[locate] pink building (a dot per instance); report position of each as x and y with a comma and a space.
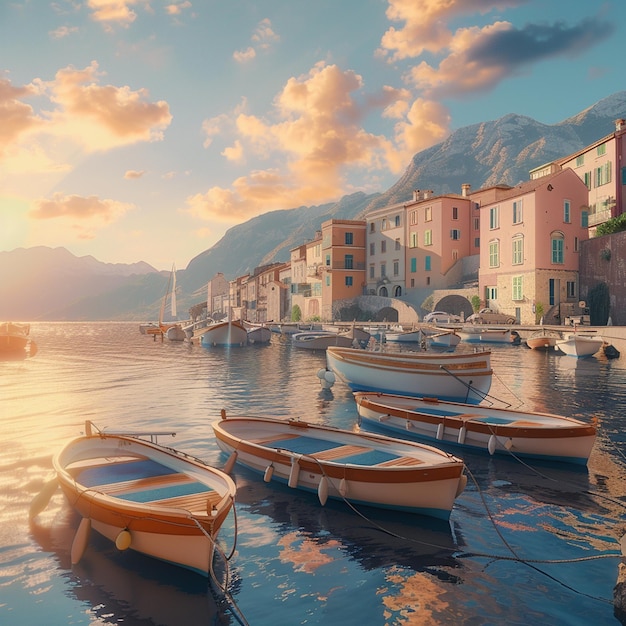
441, 230
529, 246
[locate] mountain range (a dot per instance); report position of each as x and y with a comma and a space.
52, 284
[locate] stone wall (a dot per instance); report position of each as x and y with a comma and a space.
603, 260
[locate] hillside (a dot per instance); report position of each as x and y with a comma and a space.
41, 283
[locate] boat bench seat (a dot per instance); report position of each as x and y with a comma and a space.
401, 460
194, 503
340, 452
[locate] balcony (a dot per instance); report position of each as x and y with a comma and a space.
599, 217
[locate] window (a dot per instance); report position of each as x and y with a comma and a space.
349, 239
383, 270
397, 292
372, 227
567, 218
455, 234
580, 160
517, 212
494, 253
328, 260
576, 244
348, 262
428, 238
372, 249
413, 264
398, 244
427, 262
477, 242
557, 240
587, 179
571, 290
413, 217
518, 251
383, 225
412, 282
428, 214
494, 217
372, 271
601, 149
348, 281
492, 293
413, 240
396, 268
517, 288
455, 213
397, 221
602, 174
584, 219
476, 223
328, 280
383, 246
455, 255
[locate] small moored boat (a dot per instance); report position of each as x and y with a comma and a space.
143, 496
543, 339
579, 345
320, 339
522, 433
464, 377
15, 338
228, 333
360, 468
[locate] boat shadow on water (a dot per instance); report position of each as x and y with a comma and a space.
126, 586
373, 537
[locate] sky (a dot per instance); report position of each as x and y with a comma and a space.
142, 130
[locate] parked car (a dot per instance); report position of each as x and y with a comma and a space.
489, 316
441, 317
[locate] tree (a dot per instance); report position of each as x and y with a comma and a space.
475, 302
296, 313
614, 225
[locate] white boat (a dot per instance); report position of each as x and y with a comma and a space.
175, 333
443, 339
359, 468
228, 333
142, 496
579, 345
258, 333
464, 377
489, 335
521, 433
543, 339
320, 339
161, 328
398, 335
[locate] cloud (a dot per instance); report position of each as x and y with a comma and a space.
16, 118
113, 12
480, 58
62, 32
133, 174
101, 117
426, 24
84, 209
176, 8
315, 132
262, 39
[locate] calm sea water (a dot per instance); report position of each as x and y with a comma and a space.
526, 544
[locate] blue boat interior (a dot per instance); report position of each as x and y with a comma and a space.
489, 419
312, 446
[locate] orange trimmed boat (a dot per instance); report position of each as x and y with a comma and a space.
522, 433
143, 496
360, 468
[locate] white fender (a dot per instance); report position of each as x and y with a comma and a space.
461, 486
440, 431
343, 488
491, 445
322, 490
462, 433
79, 545
294, 472
269, 472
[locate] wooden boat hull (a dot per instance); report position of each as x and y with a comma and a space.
409, 336
444, 339
140, 495
580, 345
231, 333
259, 334
526, 434
371, 470
14, 337
463, 377
487, 335
320, 340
